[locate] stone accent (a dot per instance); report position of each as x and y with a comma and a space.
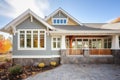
34, 61
85, 58
116, 54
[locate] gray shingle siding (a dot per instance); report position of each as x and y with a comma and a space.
32, 25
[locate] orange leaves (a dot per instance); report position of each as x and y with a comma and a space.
5, 45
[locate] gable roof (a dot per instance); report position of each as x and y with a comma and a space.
64, 12
23, 15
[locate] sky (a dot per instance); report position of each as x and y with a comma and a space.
86, 11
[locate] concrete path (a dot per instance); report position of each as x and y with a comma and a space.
81, 72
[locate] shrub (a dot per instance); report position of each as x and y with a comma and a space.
17, 69
41, 65
53, 63
8, 60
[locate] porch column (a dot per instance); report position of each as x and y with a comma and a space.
63, 45
115, 42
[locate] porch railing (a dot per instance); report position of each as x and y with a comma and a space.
76, 51
100, 52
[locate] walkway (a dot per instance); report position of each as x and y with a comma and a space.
81, 72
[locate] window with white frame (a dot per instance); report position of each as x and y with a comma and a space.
59, 21
31, 39
56, 42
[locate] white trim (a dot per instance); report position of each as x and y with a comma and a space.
22, 17
64, 12
31, 18
83, 32
56, 42
36, 56
32, 48
63, 42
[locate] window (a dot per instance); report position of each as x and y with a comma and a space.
59, 21
28, 40
107, 42
35, 39
22, 39
94, 43
31, 39
56, 42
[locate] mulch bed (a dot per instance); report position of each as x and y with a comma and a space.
27, 71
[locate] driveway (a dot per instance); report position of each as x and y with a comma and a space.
81, 72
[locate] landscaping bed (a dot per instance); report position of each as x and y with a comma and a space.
18, 72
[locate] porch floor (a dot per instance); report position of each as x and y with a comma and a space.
81, 72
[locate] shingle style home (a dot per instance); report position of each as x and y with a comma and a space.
61, 37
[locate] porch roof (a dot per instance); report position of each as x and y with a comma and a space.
78, 28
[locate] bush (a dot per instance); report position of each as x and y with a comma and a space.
17, 69
8, 60
41, 65
53, 63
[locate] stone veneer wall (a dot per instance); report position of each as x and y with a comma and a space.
84, 59
116, 54
34, 61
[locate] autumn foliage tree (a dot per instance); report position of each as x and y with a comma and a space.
5, 45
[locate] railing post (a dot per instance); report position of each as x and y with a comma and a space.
115, 42
63, 45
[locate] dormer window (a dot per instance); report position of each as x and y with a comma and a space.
59, 21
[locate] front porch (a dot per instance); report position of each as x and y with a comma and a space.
89, 49
92, 45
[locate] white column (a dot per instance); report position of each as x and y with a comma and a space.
115, 42
63, 45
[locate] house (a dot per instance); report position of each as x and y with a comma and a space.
61, 37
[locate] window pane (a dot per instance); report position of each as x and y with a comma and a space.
93, 43
79, 43
58, 45
42, 41
54, 44
35, 32
64, 21
28, 40
35, 40
54, 39
28, 31
58, 21
54, 21
42, 32
105, 43
109, 44
22, 31
99, 43
61, 21
22, 41
59, 39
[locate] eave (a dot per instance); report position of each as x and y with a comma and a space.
84, 32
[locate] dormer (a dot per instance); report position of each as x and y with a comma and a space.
61, 17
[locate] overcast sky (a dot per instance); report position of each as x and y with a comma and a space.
86, 11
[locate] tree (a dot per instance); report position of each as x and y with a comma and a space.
5, 45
